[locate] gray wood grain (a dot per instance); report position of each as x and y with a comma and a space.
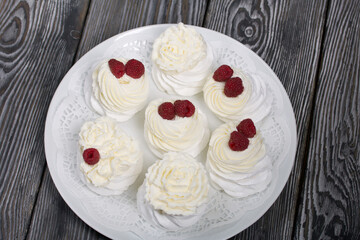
37, 47
104, 19
287, 35
330, 205
112, 17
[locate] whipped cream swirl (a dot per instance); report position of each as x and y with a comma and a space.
120, 157
174, 192
117, 98
254, 102
238, 173
181, 61
188, 134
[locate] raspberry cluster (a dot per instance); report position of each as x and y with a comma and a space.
181, 108
239, 140
132, 68
233, 86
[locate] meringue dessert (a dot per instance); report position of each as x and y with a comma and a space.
176, 126
119, 89
236, 160
174, 192
231, 95
110, 160
181, 60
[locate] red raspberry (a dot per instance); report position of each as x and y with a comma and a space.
166, 110
184, 108
91, 156
116, 67
247, 128
223, 73
238, 142
233, 87
134, 68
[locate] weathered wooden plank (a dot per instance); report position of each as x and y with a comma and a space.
113, 17
37, 47
287, 35
330, 200
53, 219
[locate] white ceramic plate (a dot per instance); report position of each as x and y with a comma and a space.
117, 217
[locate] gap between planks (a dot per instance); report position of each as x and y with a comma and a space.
311, 121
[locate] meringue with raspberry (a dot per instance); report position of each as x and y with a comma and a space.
174, 193
181, 61
110, 161
120, 88
175, 125
236, 160
232, 94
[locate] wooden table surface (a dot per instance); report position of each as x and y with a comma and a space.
313, 47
